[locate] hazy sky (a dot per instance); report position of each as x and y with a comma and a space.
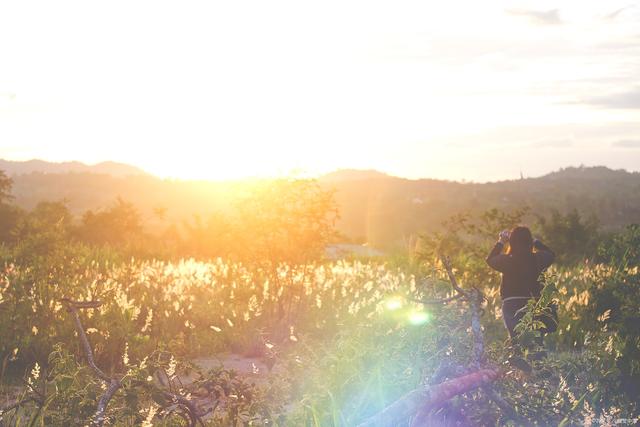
449, 89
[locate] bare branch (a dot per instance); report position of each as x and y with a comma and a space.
113, 385
101, 410
17, 404
447, 370
188, 406
446, 262
72, 308
475, 297
423, 401
503, 405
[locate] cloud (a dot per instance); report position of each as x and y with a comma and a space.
540, 17
621, 100
627, 143
613, 15
567, 137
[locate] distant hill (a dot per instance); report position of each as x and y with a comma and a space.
353, 174
594, 173
390, 210
29, 166
375, 208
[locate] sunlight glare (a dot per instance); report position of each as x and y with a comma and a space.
393, 304
418, 317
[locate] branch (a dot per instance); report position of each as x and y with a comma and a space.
447, 370
101, 410
192, 412
113, 384
426, 399
73, 309
446, 262
459, 292
476, 297
504, 405
17, 404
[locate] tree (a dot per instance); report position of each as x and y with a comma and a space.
621, 248
467, 240
572, 237
46, 216
9, 214
210, 238
5, 188
119, 224
43, 231
286, 221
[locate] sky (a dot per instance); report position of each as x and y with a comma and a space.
475, 91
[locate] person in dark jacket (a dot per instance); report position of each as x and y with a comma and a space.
520, 267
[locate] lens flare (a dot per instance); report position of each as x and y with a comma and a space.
418, 317
393, 304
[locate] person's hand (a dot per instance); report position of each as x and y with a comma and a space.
504, 236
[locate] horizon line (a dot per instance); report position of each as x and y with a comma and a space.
295, 173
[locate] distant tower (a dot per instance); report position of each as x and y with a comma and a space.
521, 176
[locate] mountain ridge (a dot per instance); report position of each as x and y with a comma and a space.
20, 167
376, 208
118, 169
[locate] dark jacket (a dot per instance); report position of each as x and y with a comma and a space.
520, 272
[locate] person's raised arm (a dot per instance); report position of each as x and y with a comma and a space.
496, 259
544, 254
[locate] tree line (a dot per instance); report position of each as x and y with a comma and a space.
285, 220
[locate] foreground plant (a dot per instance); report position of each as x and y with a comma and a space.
147, 392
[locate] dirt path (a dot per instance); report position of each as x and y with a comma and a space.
250, 366
253, 368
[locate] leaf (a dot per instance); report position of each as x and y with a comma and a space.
63, 382
131, 398
159, 398
567, 419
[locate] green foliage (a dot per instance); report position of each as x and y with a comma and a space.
537, 315
614, 300
68, 392
621, 248
10, 216
347, 338
5, 188
467, 240
380, 210
594, 359
352, 344
572, 237
43, 232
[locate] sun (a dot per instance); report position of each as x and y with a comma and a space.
229, 163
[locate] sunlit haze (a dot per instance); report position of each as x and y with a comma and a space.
217, 90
